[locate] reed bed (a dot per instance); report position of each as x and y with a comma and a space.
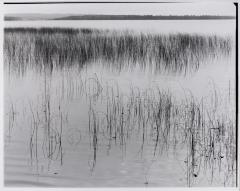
200, 129
56, 47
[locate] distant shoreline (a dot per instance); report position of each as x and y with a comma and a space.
119, 17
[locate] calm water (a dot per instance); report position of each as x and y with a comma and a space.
88, 156
220, 27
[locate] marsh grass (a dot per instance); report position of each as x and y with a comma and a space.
45, 121
152, 116
158, 122
156, 117
56, 48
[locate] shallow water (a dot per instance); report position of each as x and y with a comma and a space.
149, 26
89, 156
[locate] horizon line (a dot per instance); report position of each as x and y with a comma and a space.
89, 2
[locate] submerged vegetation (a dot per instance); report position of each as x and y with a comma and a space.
55, 48
202, 130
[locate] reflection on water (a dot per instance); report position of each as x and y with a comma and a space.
81, 122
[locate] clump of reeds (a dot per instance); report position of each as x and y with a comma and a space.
156, 118
56, 48
153, 116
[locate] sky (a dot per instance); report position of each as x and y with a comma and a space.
220, 8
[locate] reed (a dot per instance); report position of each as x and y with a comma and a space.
57, 48
205, 132
150, 116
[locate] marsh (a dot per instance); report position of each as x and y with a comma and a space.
87, 106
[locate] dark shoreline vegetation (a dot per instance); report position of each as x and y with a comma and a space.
202, 130
145, 17
57, 47
20, 17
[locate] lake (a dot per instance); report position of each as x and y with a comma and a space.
119, 103
150, 26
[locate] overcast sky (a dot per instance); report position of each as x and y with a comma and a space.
221, 8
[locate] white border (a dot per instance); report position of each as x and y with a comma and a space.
82, 189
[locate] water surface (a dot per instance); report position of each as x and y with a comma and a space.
92, 126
